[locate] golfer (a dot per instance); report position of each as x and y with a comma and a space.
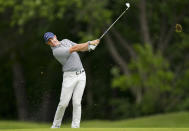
74, 78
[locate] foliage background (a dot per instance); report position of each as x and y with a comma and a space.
140, 68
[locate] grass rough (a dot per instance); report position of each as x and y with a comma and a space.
163, 122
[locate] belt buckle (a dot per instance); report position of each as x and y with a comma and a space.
78, 72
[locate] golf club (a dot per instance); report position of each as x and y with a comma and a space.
127, 5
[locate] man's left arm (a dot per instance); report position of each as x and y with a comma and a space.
84, 46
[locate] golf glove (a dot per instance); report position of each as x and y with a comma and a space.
91, 46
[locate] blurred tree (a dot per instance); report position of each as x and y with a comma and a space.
29, 20
159, 57
152, 67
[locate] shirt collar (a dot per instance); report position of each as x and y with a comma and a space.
54, 47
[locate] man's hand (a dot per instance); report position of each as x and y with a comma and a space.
88, 46
93, 44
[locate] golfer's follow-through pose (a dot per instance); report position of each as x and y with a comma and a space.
74, 78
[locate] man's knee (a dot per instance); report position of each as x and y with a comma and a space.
76, 103
63, 104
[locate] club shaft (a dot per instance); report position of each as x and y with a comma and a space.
112, 25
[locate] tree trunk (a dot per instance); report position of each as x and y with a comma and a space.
144, 22
125, 45
137, 92
19, 89
138, 95
89, 85
45, 108
116, 55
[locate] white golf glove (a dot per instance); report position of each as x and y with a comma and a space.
91, 46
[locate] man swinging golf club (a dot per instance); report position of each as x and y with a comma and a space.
74, 78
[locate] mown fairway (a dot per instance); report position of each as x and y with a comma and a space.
105, 129
166, 122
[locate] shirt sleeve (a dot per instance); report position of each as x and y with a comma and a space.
71, 42
62, 52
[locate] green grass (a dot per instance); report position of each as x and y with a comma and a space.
174, 120
163, 122
104, 129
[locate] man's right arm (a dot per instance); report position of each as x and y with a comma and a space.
83, 46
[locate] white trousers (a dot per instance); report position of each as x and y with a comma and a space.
73, 86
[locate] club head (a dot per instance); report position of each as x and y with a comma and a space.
128, 5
